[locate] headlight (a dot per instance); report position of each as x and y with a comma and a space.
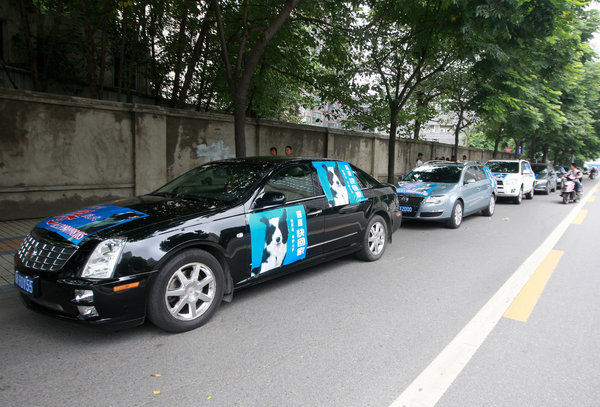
103, 260
436, 199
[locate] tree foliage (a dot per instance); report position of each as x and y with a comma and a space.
520, 70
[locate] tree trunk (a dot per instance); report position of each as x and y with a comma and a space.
417, 129
457, 133
239, 116
392, 143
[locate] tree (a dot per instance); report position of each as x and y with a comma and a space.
401, 46
257, 24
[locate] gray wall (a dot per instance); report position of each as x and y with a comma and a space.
60, 153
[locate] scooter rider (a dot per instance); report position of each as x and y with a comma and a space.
576, 175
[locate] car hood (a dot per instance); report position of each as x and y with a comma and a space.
502, 175
126, 217
424, 188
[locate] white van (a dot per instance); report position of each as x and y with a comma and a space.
515, 178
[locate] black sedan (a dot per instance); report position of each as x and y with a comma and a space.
175, 254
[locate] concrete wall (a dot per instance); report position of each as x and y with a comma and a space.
60, 153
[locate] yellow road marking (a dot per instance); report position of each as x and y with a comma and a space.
592, 198
524, 303
580, 217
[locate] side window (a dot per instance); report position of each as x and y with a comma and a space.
294, 182
470, 173
480, 173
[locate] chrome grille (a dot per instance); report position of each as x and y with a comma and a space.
43, 256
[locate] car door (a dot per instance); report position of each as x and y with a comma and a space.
528, 176
344, 219
286, 220
470, 189
485, 187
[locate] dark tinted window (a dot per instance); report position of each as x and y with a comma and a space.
435, 173
223, 181
541, 169
294, 182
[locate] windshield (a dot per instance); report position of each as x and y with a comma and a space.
221, 181
503, 166
434, 173
540, 169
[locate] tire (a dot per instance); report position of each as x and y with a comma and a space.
456, 217
517, 199
375, 239
565, 198
491, 207
529, 195
187, 291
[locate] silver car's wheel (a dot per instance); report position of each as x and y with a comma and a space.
186, 292
489, 210
456, 216
374, 240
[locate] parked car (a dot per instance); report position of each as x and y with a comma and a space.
446, 192
174, 254
560, 174
545, 178
514, 177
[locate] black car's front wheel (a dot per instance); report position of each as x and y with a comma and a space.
374, 240
187, 291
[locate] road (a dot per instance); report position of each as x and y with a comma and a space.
349, 333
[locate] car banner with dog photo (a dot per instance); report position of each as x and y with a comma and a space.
278, 237
338, 182
78, 225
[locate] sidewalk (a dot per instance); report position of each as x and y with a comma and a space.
12, 234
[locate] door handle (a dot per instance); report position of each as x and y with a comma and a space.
315, 213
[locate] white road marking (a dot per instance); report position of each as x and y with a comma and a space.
429, 387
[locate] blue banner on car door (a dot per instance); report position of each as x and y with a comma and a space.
278, 237
78, 225
338, 182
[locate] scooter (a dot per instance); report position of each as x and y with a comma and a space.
568, 192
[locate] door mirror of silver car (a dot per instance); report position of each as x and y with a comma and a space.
469, 181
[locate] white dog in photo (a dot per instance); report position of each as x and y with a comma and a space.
275, 242
337, 186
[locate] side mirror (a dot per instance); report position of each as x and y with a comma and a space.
526, 171
470, 181
270, 198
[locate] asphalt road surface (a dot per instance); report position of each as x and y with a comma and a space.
350, 333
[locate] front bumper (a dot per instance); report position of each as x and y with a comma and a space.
417, 208
508, 191
117, 304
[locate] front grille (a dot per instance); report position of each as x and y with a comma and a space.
499, 182
411, 200
43, 256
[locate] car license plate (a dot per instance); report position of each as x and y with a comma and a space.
24, 283
406, 208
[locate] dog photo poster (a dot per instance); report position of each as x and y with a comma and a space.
338, 182
278, 237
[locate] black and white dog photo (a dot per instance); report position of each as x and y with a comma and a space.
275, 242
337, 186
